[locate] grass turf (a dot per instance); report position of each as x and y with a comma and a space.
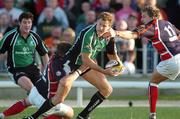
119, 113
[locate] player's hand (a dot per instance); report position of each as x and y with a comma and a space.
109, 34
110, 72
140, 28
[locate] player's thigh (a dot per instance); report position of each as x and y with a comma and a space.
169, 68
157, 77
22, 80
97, 79
25, 83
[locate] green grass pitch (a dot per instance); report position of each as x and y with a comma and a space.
119, 113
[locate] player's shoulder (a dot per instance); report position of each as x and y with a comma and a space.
35, 35
89, 30
164, 22
10, 31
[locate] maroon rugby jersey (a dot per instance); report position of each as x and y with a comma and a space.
164, 38
54, 74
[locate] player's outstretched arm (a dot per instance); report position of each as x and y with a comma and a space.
123, 34
127, 34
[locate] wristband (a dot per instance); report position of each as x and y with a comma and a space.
78, 71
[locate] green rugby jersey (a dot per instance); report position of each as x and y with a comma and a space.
20, 50
88, 42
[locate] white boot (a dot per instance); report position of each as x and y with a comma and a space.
2, 116
152, 116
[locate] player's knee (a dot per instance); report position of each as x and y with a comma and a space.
70, 113
107, 91
154, 81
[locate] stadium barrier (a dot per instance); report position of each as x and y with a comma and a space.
81, 84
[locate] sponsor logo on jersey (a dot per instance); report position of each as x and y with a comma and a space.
58, 73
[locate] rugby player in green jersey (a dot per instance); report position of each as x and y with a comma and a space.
81, 60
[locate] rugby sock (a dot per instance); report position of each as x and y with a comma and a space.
53, 117
96, 100
153, 95
45, 107
15, 108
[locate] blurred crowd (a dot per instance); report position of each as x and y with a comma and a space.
61, 20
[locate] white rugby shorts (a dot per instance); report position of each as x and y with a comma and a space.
170, 68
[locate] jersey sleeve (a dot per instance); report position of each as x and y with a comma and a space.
86, 43
5, 43
111, 47
40, 47
147, 31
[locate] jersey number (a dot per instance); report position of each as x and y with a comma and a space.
171, 33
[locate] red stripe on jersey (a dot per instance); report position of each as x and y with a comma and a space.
53, 82
147, 27
165, 56
159, 44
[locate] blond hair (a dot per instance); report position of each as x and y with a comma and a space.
71, 32
106, 16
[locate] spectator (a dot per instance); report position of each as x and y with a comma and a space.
85, 7
11, 10
90, 19
25, 5
5, 21
55, 34
46, 26
104, 6
116, 5
39, 6
58, 12
4, 24
125, 11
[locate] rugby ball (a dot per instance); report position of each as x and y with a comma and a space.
114, 65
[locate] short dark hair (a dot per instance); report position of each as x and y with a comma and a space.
151, 11
62, 48
106, 16
26, 15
